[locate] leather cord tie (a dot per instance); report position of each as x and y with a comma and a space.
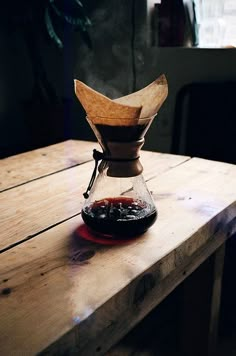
98, 156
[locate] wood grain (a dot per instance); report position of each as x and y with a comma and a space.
33, 207
31, 165
85, 297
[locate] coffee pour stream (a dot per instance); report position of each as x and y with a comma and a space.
118, 204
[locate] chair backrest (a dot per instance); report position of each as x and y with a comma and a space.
205, 121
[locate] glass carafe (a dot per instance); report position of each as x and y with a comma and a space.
118, 203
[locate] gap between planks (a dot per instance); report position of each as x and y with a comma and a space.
44, 280
29, 166
25, 209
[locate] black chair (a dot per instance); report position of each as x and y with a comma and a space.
205, 121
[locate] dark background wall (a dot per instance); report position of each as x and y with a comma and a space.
119, 62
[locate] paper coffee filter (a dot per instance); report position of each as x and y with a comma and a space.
99, 107
150, 98
125, 111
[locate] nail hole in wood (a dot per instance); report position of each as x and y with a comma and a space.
6, 291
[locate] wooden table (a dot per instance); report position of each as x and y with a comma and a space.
61, 293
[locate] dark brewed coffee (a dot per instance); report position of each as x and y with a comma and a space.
122, 133
121, 216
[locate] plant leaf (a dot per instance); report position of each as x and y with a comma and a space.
51, 30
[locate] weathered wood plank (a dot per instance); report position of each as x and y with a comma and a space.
30, 208
93, 295
31, 165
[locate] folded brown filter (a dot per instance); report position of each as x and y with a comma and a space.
124, 111
150, 98
99, 107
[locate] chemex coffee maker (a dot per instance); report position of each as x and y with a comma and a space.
118, 205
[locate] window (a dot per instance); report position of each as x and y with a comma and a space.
200, 23
216, 21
